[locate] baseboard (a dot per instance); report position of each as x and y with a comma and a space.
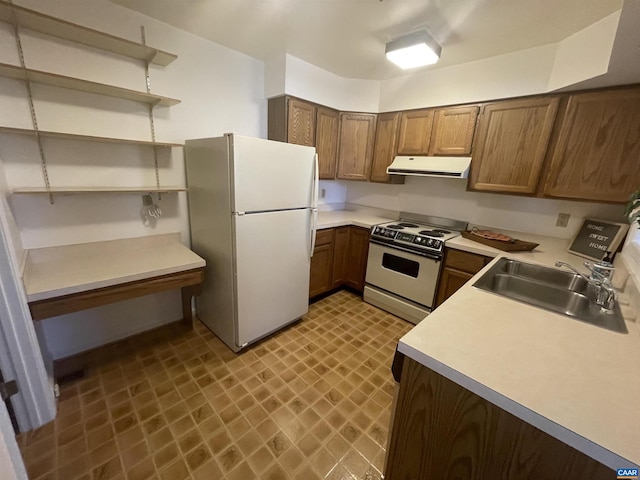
72, 366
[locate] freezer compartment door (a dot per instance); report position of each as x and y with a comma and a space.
272, 271
270, 175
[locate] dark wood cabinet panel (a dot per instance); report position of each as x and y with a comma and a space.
277, 119
320, 275
453, 130
597, 155
340, 256
511, 144
327, 121
301, 123
465, 261
384, 149
458, 268
442, 430
415, 132
355, 145
357, 258
451, 281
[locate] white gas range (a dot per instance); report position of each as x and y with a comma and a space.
404, 263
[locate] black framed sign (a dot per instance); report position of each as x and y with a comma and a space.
597, 237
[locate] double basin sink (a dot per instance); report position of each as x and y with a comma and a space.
551, 289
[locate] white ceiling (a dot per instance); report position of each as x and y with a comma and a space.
347, 37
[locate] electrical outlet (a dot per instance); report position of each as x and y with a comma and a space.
563, 219
323, 193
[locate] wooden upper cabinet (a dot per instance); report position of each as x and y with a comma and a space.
355, 145
384, 149
511, 144
597, 155
327, 122
415, 132
453, 130
301, 123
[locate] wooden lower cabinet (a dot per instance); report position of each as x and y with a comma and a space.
442, 430
357, 260
340, 256
451, 281
339, 259
321, 263
459, 267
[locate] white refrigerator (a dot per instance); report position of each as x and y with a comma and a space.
252, 210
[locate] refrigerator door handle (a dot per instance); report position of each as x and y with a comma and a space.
316, 178
312, 230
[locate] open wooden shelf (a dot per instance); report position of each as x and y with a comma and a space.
62, 81
57, 27
72, 190
87, 138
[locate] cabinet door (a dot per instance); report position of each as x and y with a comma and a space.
450, 282
597, 156
453, 130
301, 123
340, 256
321, 263
355, 147
357, 258
511, 144
415, 132
327, 141
385, 146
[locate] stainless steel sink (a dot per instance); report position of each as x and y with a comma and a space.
551, 289
551, 276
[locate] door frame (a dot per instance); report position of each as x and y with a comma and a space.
11, 464
20, 355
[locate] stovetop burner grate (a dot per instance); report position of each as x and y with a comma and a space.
431, 233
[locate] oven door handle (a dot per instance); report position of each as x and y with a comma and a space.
432, 256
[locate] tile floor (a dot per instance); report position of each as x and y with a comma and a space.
312, 401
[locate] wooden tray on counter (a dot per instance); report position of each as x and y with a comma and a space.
512, 246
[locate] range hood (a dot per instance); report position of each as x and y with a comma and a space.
450, 167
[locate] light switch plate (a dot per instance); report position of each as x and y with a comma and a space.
563, 219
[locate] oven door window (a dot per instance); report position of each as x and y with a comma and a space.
401, 265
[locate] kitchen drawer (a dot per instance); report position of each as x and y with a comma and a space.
324, 237
465, 261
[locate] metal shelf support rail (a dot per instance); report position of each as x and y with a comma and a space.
151, 121
34, 119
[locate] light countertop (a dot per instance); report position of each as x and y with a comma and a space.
55, 271
340, 218
574, 381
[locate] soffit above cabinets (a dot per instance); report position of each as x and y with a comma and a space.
347, 37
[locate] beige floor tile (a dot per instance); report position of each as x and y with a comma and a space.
312, 401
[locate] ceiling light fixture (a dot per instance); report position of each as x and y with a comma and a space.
413, 50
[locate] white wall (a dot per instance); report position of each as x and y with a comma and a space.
221, 91
585, 54
304, 80
521, 73
446, 197
332, 192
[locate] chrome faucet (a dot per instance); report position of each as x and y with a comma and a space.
605, 293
